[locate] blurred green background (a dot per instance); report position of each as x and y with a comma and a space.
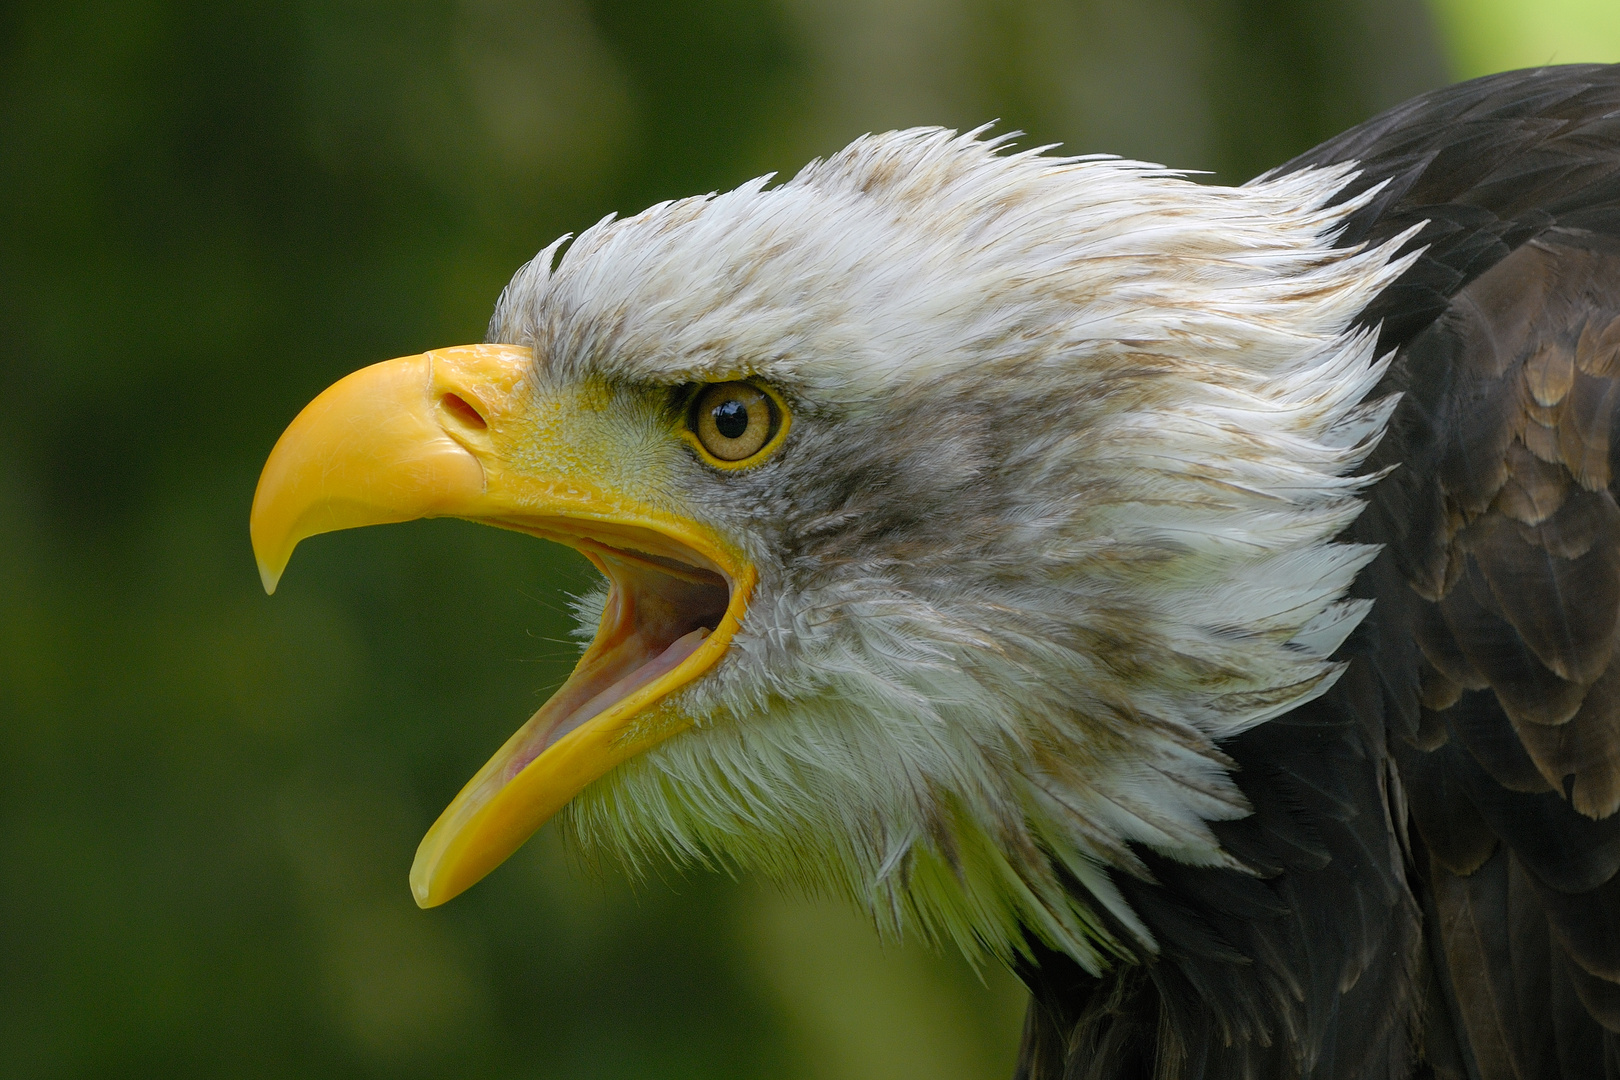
208, 212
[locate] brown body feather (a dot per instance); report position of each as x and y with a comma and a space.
1435, 842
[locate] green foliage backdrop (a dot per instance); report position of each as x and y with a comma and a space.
208, 212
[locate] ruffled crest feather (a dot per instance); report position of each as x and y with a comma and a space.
1073, 440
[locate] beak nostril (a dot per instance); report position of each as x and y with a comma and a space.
457, 407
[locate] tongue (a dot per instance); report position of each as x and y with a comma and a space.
634, 680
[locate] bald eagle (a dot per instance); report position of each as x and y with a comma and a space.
1201, 599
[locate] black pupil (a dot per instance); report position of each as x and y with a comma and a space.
731, 418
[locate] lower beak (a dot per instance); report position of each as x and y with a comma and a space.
423, 436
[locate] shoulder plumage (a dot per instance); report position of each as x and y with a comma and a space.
1503, 565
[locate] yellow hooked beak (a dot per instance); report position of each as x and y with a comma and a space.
461, 433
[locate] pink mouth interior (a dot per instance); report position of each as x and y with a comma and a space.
657, 614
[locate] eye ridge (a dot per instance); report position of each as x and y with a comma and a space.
731, 423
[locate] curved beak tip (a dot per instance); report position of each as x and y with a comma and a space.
372, 449
398, 441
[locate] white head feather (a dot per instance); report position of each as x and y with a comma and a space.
1073, 438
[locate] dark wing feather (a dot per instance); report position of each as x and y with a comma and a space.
1504, 546
1515, 559
1482, 702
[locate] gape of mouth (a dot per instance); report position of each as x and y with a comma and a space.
658, 611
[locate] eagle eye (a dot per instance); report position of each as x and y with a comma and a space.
734, 422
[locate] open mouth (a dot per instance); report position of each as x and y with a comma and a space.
670, 614
660, 610
417, 437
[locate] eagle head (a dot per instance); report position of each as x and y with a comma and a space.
952, 506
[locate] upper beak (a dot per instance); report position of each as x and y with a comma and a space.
431, 436
391, 442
